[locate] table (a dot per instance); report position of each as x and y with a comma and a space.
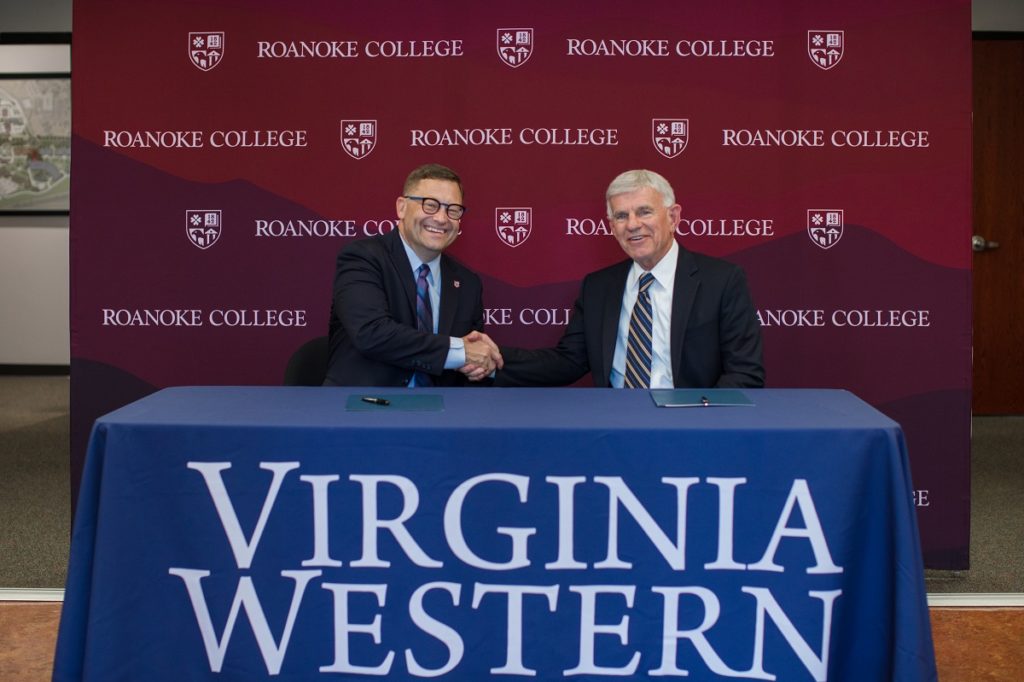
245, 533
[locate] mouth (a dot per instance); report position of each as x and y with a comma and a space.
435, 230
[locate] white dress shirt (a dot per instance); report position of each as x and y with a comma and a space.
660, 292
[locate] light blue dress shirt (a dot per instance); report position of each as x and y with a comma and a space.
456, 348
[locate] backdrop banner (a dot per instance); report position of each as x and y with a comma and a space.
225, 151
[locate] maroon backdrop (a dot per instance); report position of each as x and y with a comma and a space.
224, 151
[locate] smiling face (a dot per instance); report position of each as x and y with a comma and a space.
643, 225
428, 235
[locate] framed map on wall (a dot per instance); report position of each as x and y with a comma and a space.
35, 143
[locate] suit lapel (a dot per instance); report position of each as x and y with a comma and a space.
683, 297
610, 318
403, 269
449, 297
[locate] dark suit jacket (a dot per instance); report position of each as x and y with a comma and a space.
715, 337
373, 335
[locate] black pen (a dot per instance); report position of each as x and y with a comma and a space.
376, 401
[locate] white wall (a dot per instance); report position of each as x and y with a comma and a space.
34, 294
32, 16
997, 15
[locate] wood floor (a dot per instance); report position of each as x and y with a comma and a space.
28, 634
979, 645
971, 645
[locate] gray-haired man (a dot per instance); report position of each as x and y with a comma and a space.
665, 317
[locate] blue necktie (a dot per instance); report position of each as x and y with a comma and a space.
424, 316
639, 343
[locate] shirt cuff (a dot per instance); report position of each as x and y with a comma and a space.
456, 353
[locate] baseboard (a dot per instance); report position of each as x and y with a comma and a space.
966, 600
944, 600
28, 594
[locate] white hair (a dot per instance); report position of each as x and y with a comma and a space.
631, 181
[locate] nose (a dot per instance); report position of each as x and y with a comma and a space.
440, 216
633, 221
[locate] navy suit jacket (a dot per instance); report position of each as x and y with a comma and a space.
715, 336
373, 335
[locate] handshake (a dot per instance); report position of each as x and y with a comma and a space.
482, 356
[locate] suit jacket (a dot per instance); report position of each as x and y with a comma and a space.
373, 335
715, 335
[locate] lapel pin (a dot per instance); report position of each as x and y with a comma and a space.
456, 283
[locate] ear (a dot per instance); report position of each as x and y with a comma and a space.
675, 213
400, 205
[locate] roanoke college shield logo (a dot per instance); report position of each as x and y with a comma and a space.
202, 227
825, 226
670, 135
513, 224
358, 138
205, 50
825, 48
515, 45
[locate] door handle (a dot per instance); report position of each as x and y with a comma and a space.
979, 243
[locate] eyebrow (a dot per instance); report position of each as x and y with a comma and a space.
645, 207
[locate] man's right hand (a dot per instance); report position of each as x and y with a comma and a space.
482, 356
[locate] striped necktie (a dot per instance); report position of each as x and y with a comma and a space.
424, 316
639, 343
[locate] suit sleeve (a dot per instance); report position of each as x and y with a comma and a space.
477, 322
740, 335
562, 365
364, 304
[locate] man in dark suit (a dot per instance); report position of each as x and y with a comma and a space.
664, 318
402, 312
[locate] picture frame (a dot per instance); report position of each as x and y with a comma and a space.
35, 143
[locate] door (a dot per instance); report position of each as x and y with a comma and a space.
999, 224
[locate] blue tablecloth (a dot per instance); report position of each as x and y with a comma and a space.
267, 533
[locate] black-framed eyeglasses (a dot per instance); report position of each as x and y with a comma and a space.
432, 206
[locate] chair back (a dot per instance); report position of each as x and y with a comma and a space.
307, 365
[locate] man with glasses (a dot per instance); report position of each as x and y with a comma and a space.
403, 313
663, 318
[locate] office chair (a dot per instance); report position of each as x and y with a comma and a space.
308, 364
